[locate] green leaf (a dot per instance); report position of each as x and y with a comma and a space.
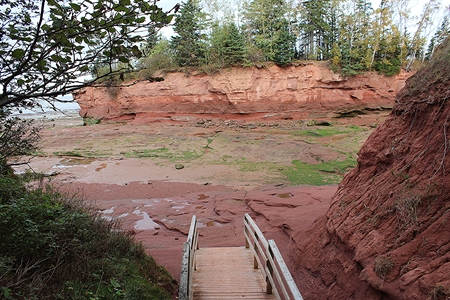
18, 53
140, 20
75, 6
20, 82
169, 19
56, 57
121, 8
98, 5
123, 59
42, 63
84, 68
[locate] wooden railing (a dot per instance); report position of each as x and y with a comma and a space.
188, 262
268, 259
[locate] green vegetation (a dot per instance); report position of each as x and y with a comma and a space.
165, 153
352, 35
44, 51
54, 247
91, 121
322, 173
82, 153
327, 131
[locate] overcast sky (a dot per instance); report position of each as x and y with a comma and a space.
416, 9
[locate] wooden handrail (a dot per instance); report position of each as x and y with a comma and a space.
188, 264
268, 259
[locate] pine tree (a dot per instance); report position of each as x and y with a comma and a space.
440, 35
264, 19
285, 47
318, 28
233, 46
153, 38
385, 43
188, 44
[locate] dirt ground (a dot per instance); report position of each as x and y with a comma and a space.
155, 176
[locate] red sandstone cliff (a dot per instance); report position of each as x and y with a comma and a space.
387, 232
296, 91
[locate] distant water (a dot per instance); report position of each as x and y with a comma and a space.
63, 110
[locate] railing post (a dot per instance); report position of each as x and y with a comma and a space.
189, 264
269, 288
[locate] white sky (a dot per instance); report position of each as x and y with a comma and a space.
416, 9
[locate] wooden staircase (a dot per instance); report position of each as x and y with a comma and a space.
228, 273
256, 271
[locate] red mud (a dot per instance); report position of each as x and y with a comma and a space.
280, 211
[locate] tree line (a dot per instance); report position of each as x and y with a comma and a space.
351, 34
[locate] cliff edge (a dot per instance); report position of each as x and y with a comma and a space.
293, 92
386, 234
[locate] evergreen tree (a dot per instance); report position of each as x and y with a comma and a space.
233, 45
355, 32
285, 50
227, 46
385, 43
152, 39
189, 43
264, 19
440, 35
317, 28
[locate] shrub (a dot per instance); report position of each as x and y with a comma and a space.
55, 247
383, 266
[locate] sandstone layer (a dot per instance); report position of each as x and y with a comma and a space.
386, 234
302, 91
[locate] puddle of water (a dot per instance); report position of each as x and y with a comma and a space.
202, 197
60, 166
288, 195
146, 223
77, 161
178, 207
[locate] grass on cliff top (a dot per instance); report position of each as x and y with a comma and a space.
53, 247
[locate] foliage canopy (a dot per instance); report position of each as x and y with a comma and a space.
47, 45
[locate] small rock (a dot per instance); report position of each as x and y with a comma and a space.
323, 123
176, 239
155, 233
179, 166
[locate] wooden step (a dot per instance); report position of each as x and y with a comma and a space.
227, 273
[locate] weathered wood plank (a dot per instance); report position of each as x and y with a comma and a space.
228, 273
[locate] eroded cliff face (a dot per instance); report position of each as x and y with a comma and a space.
292, 92
387, 232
